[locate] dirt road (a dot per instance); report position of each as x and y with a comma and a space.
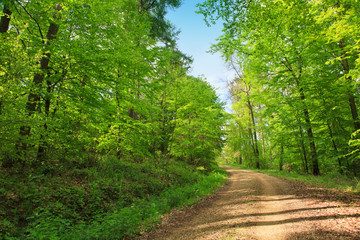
257, 206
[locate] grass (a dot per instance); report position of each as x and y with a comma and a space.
333, 181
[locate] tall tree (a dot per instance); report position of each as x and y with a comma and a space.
302, 50
34, 95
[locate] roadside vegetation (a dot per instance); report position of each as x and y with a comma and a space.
114, 200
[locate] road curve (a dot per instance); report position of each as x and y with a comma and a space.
251, 206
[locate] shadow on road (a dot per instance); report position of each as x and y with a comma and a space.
322, 235
226, 217
217, 226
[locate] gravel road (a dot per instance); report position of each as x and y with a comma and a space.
257, 206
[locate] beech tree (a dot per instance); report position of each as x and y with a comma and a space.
84, 82
197, 136
300, 54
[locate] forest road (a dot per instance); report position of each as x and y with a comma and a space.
251, 206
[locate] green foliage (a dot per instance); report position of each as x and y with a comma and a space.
54, 221
105, 85
115, 195
200, 117
294, 96
94, 108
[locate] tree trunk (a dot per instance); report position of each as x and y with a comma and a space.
281, 157
43, 145
303, 149
118, 136
352, 104
5, 20
256, 148
314, 159
240, 157
4, 27
354, 112
132, 113
335, 147
262, 136
34, 95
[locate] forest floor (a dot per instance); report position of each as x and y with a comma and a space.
254, 205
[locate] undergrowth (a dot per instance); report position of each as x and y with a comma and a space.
113, 200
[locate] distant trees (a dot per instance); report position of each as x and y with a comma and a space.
299, 73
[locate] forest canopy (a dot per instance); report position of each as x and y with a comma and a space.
296, 91
99, 114
81, 81
103, 129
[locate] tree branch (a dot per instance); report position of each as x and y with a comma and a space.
38, 25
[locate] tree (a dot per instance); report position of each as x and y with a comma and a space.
197, 137
299, 49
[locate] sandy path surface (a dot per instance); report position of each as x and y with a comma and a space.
257, 206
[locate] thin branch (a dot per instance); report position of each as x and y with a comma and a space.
235, 69
22, 40
38, 25
150, 5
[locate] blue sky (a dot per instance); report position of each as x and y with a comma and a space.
195, 40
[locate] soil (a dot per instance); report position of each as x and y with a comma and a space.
253, 205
